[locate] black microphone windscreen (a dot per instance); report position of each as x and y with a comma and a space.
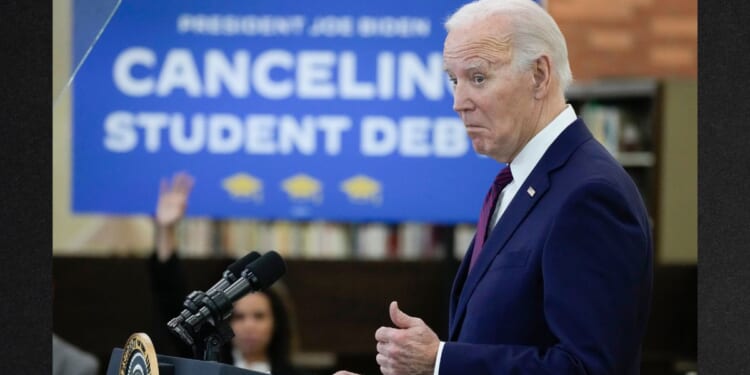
268, 268
240, 264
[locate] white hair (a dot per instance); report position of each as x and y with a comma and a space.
533, 33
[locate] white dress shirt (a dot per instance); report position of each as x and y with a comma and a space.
240, 362
521, 168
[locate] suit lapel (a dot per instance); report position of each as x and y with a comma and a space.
522, 203
512, 217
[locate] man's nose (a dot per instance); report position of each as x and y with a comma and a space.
461, 100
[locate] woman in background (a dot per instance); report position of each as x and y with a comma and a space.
261, 334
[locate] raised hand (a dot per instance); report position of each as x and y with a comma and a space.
173, 199
170, 208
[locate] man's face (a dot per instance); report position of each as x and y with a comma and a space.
496, 104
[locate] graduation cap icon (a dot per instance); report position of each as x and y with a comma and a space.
244, 186
363, 189
303, 187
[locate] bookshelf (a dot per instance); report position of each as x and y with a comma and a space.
625, 115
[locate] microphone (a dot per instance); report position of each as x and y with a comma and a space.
193, 302
257, 276
234, 271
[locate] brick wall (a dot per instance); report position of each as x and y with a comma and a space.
629, 38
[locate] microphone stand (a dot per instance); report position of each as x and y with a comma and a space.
206, 340
213, 342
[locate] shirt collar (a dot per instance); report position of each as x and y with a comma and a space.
530, 155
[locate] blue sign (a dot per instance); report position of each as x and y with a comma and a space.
279, 109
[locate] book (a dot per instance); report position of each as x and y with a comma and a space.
604, 123
462, 236
415, 240
335, 241
371, 241
284, 238
312, 239
241, 237
195, 237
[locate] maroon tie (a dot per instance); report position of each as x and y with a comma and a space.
502, 179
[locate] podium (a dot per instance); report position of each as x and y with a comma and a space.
169, 365
140, 358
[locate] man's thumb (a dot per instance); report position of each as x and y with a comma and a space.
400, 318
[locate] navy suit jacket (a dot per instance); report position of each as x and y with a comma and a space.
563, 283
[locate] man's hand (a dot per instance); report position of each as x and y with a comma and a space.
409, 349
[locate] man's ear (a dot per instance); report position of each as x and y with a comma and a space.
542, 76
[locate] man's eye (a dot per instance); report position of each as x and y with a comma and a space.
478, 79
453, 80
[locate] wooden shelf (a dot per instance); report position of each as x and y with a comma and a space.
612, 89
637, 159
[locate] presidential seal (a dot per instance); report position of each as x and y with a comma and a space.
139, 356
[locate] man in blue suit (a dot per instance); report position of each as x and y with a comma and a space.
558, 277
